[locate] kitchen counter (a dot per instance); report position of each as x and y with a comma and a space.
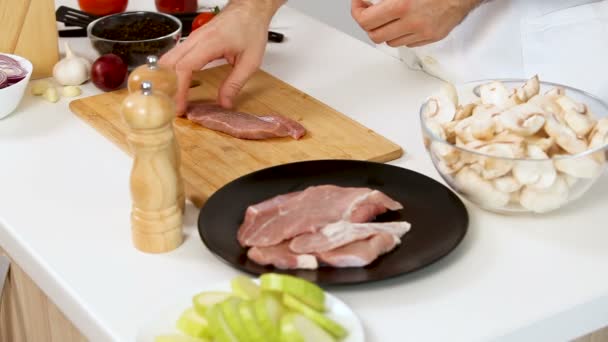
65, 203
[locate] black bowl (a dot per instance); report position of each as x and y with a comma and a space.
135, 35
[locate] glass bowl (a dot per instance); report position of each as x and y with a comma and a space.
134, 36
510, 173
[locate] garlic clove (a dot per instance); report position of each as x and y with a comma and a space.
72, 70
544, 200
579, 167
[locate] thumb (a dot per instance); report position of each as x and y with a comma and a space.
243, 68
357, 7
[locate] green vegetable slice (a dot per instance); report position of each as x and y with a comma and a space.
245, 287
323, 321
268, 311
250, 322
231, 314
303, 290
178, 338
219, 328
204, 300
297, 328
193, 324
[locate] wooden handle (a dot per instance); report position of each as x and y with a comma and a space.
156, 216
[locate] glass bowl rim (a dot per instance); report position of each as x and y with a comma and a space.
169, 35
522, 80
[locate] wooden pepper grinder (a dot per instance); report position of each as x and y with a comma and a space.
162, 80
156, 219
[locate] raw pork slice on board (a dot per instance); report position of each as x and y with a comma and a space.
242, 125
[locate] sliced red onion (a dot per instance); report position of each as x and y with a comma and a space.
3, 80
8, 60
13, 72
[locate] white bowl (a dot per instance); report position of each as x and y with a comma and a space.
10, 97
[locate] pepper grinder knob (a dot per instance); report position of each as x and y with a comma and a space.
162, 78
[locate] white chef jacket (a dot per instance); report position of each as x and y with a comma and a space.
563, 41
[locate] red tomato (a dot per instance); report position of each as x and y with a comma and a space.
203, 18
103, 7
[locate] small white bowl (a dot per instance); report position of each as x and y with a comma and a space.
10, 97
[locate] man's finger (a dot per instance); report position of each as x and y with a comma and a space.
357, 7
405, 40
195, 59
243, 68
393, 30
382, 13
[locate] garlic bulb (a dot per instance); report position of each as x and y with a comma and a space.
72, 70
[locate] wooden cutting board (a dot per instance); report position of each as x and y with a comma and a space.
211, 159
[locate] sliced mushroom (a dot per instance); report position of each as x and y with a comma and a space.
564, 136
463, 112
436, 130
463, 130
448, 91
543, 200
445, 152
449, 130
599, 134
575, 115
507, 184
579, 167
571, 181
539, 173
494, 93
524, 119
529, 89
439, 108
547, 104
480, 190
544, 143
515, 197
496, 166
555, 92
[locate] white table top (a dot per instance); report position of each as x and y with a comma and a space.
65, 202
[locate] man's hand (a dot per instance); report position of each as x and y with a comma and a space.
238, 34
410, 22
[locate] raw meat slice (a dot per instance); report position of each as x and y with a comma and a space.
313, 209
341, 233
263, 211
360, 253
243, 125
280, 256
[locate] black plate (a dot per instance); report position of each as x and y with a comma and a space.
439, 218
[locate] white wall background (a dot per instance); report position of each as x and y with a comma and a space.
335, 13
